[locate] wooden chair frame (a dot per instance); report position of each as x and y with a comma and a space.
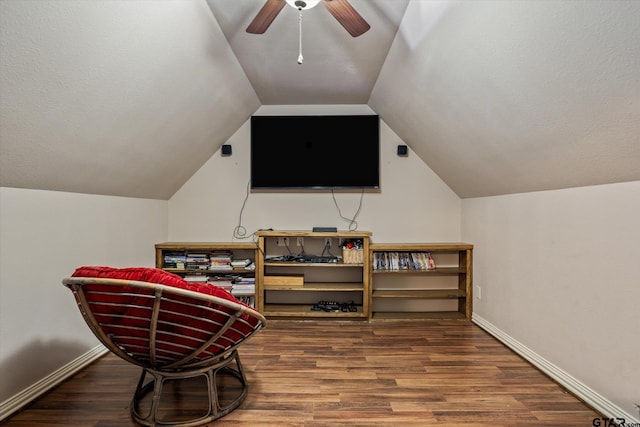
160, 366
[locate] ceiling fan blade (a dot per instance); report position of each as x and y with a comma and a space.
347, 16
265, 17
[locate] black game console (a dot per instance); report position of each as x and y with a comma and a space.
325, 229
322, 259
334, 306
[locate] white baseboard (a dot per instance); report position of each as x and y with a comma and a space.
13, 404
581, 390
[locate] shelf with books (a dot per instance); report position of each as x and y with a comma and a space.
421, 280
230, 266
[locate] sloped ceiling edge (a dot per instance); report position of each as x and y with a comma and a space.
509, 97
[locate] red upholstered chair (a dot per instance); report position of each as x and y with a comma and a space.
173, 329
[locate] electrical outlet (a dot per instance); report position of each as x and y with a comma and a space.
282, 241
300, 241
327, 242
478, 292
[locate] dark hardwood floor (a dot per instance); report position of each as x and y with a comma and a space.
447, 373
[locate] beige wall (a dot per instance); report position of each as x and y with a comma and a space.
559, 272
44, 236
413, 204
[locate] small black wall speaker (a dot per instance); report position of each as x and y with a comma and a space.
226, 150
403, 150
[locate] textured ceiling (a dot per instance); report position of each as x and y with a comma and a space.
124, 98
496, 97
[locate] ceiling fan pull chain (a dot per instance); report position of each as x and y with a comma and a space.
300, 58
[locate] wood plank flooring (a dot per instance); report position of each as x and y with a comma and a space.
314, 373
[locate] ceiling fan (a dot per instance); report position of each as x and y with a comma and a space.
342, 10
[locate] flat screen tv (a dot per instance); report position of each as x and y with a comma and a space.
315, 152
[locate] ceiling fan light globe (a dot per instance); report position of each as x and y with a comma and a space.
303, 4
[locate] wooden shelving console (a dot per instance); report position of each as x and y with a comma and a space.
292, 253
297, 280
408, 291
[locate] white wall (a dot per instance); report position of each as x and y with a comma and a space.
44, 236
559, 273
413, 205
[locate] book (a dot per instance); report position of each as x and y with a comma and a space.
200, 278
419, 261
238, 289
431, 264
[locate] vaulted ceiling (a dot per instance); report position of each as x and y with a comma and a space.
336, 68
496, 97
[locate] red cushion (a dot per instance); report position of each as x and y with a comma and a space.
152, 275
183, 326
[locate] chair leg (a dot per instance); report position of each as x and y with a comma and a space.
215, 410
237, 373
142, 390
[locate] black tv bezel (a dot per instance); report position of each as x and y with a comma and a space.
271, 188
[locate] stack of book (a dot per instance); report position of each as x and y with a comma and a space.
176, 260
196, 278
244, 286
244, 289
223, 282
220, 260
197, 261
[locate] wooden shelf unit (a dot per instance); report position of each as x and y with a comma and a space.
412, 285
239, 250
343, 282
339, 281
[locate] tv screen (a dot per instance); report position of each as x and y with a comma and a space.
318, 152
